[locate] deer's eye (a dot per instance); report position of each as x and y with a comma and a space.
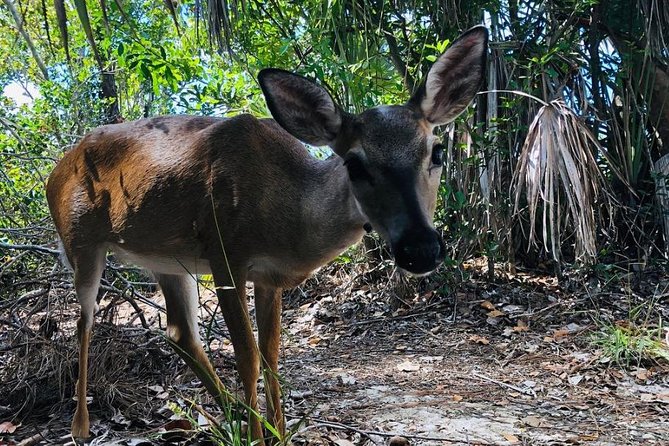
357, 170
438, 154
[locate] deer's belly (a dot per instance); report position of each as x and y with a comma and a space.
265, 271
179, 265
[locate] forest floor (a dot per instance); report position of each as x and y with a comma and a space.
485, 362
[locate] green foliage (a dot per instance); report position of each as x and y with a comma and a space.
229, 433
639, 339
629, 344
25, 163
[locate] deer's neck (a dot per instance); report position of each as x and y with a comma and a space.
332, 210
324, 221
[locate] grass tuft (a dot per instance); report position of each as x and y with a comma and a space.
628, 344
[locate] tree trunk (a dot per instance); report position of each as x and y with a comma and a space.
109, 94
659, 105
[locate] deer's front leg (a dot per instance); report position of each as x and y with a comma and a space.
181, 300
232, 299
268, 316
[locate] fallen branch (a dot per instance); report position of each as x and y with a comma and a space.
540, 311
34, 439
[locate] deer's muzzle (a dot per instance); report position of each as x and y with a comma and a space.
419, 252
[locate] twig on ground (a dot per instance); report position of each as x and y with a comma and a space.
542, 310
12, 260
34, 439
128, 295
392, 318
503, 384
424, 311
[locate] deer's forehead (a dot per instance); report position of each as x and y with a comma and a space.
392, 133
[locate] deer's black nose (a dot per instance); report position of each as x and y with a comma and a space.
419, 252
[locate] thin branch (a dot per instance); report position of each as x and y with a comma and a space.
398, 61
36, 248
27, 38
10, 128
525, 391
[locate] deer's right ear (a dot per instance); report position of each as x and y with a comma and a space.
305, 109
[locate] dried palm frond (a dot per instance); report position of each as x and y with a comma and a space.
105, 16
220, 19
45, 21
172, 8
61, 14
558, 171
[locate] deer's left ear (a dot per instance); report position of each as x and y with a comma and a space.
454, 78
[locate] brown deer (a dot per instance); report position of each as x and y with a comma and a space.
242, 199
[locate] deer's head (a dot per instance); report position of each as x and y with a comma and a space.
394, 161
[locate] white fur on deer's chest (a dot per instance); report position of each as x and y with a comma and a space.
179, 265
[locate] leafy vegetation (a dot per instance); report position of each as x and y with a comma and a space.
629, 344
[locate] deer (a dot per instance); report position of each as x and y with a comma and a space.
241, 198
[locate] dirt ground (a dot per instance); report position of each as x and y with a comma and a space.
483, 362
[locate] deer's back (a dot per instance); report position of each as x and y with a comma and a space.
151, 185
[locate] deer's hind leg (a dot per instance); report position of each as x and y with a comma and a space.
88, 264
181, 300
